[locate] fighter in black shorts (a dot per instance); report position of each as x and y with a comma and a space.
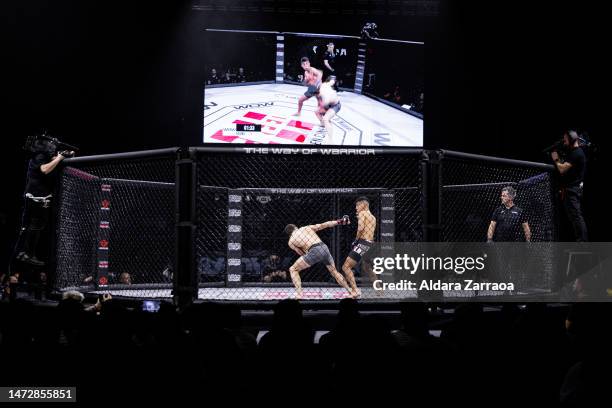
358, 248
366, 226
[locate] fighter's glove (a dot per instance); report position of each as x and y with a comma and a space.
344, 220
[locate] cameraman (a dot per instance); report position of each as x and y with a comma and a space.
38, 194
572, 170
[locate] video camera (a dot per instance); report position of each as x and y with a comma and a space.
555, 147
562, 149
44, 143
368, 31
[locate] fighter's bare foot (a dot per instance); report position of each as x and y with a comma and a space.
298, 295
355, 294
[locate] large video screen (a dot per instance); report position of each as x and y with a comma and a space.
311, 89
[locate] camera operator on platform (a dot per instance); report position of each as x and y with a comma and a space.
41, 178
571, 168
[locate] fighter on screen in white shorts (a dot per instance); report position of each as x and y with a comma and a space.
329, 104
312, 79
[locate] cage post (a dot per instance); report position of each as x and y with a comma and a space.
280, 59
431, 170
185, 283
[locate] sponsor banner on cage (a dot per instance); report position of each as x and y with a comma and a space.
104, 233
234, 236
235, 198
234, 262
387, 216
289, 151
232, 212
500, 271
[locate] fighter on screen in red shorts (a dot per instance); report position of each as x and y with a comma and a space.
312, 79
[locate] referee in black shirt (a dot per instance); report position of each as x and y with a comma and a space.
572, 176
508, 224
329, 64
508, 220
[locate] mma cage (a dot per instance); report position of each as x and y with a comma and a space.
202, 222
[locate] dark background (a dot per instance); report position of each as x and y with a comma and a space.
247, 50
502, 78
406, 73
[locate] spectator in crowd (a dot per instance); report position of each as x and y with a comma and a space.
534, 353
348, 325
414, 333
211, 267
272, 271
3, 284
213, 78
9, 285
290, 331
125, 278
395, 95
227, 78
241, 76
420, 105
71, 297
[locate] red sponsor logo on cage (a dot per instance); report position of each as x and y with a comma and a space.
103, 244
103, 280
277, 295
105, 204
314, 294
341, 295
